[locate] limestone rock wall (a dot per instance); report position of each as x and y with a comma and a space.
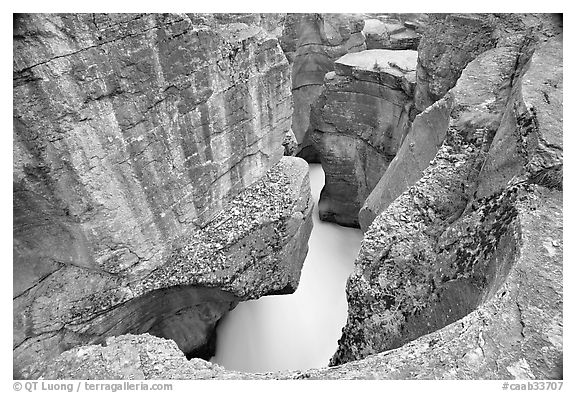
358, 124
428, 129
425, 137
147, 166
447, 243
254, 247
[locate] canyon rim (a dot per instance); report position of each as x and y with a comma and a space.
161, 178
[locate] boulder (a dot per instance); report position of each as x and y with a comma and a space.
358, 125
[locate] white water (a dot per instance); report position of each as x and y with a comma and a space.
301, 330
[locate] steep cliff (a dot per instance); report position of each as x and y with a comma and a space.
147, 171
151, 195
357, 125
313, 42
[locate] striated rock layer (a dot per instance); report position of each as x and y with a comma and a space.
106, 107
150, 193
515, 334
358, 125
446, 245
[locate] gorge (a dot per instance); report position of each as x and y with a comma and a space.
161, 179
303, 327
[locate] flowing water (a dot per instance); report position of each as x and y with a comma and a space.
301, 330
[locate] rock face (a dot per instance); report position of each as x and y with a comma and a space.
358, 124
447, 244
516, 334
440, 61
313, 42
428, 129
419, 148
148, 171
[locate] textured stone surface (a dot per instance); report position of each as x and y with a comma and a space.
147, 167
539, 93
515, 334
394, 31
313, 42
443, 246
255, 246
358, 124
418, 149
130, 130
450, 41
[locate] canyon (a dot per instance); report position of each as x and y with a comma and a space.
161, 179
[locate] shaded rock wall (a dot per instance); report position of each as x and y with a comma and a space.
358, 124
254, 247
148, 166
445, 245
313, 42
425, 137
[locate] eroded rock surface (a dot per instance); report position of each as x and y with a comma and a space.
358, 124
150, 192
394, 31
428, 128
516, 334
131, 130
446, 245
450, 41
313, 42
254, 247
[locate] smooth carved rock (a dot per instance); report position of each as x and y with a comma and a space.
254, 247
516, 333
402, 286
418, 149
538, 93
529, 141
358, 124
445, 245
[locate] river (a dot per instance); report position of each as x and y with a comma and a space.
301, 330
